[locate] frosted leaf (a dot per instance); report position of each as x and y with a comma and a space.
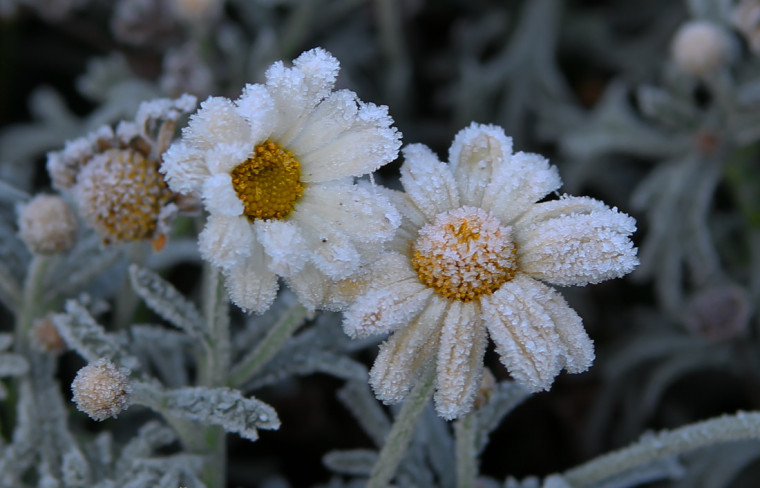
75, 469
358, 399
82, 266
13, 364
82, 333
224, 407
356, 462
166, 350
167, 302
150, 436
303, 364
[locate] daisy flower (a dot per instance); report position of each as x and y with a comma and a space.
471, 260
275, 169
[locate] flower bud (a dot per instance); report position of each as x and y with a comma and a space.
47, 225
46, 338
701, 48
101, 390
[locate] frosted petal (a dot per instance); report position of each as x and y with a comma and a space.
225, 241
524, 334
386, 309
184, 167
257, 107
575, 241
250, 284
219, 196
428, 182
400, 358
460, 359
473, 155
217, 121
284, 244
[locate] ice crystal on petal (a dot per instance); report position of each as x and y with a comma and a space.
466, 263
273, 169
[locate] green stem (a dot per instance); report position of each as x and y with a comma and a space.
466, 455
287, 325
31, 307
740, 426
401, 432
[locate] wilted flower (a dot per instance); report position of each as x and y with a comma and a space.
101, 390
468, 262
275, 171
700, 48
47, 224
114, 177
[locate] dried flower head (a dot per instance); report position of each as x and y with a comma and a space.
47, 225
114, 177
274, 170
700, 48
469, 260
101, 390
45, 336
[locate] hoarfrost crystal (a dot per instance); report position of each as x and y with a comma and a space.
275, 171
468, 262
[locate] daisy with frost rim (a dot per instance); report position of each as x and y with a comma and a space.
275, 170
468, 262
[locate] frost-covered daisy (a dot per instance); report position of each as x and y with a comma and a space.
275, 170
470, 261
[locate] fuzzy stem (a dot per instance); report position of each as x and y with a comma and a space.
741, 426
401, 432
127, 300
268, 347
31, 306
466, 453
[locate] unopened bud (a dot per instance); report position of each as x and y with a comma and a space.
701, 48
47, 225
101, 390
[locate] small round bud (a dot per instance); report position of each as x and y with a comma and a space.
700, 48
47, 225
101, 390
718, 313
45, 337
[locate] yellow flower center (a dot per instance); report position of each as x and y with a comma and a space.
268, 183
121, 193
464, 254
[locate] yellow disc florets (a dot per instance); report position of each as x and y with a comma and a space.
121, 193
268, 183
464, 254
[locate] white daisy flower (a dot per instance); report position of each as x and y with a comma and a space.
275, 171
469, 261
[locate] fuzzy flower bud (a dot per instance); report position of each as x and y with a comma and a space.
700, 48
101, 390
47, 225
46, 338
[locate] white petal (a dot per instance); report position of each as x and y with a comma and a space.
297, 90
524, 333
184, 167
517, 185
257, 107
575, 241
360, 212
473, 155
220, 197
251, 286
335, 255
385, 309
400, 358
223, 158
334, 116
428, 182
284, 244
217, 121
460, 359
225, 241
370, 143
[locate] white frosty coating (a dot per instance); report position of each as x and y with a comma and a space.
701, 47
460, 359
47, 224
591, 239
101, 390
573, 240
335, 226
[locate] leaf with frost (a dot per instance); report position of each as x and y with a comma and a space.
438, 444
12, 364
74, 469
282, 367
165, 349
150, 437
167, 302
357, 462
82, 333
11, 194
83, 265
504, 398
225, 407
359, 400
659, 470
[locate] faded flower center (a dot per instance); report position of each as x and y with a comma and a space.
122, 193
464, 254
268, 183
